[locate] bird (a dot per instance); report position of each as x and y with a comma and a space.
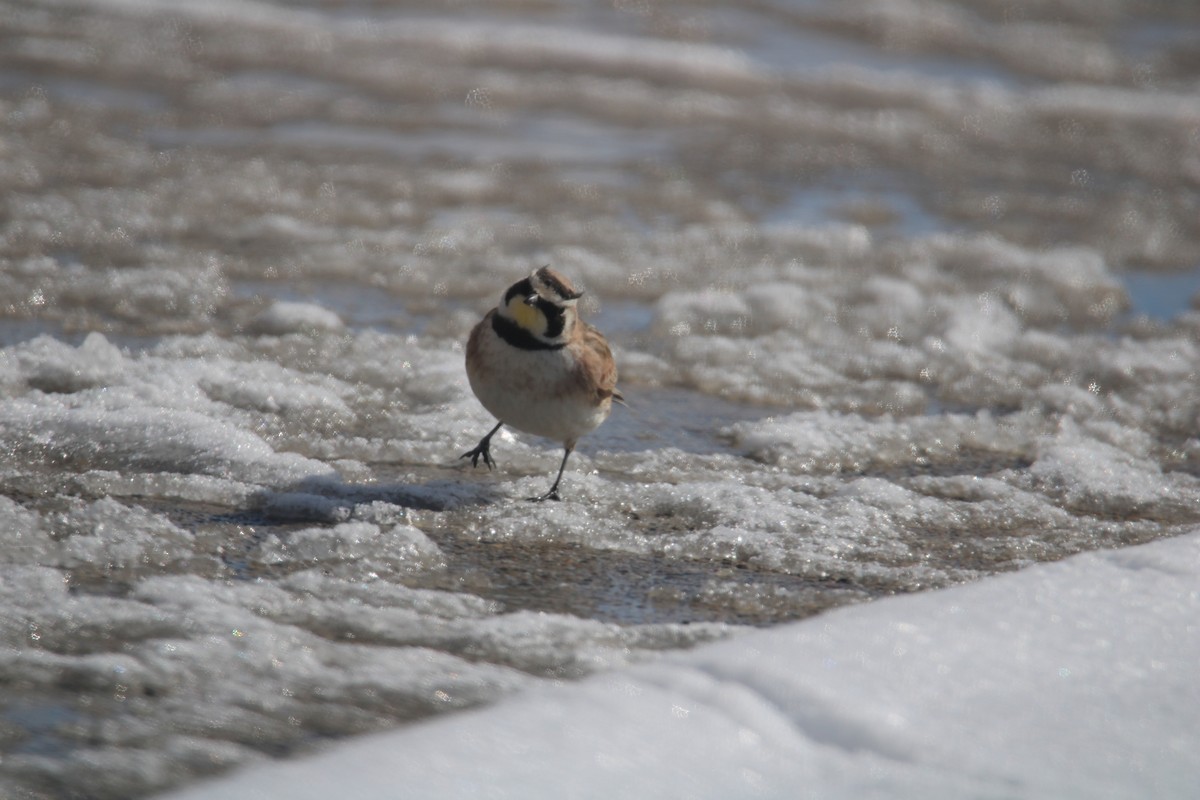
539, 368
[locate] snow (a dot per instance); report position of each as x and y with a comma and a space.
1073, 679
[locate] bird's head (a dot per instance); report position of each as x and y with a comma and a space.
543, 305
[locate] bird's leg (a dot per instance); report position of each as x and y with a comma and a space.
553, 493
483, 449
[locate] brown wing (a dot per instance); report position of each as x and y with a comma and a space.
474, 355
597, 372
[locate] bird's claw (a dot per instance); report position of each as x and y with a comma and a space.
550, 495
482, 451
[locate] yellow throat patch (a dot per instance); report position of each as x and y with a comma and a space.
527, 316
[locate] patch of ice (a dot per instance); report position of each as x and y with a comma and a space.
146, 439
362, 544
1109, 102
49, 365
824, 442
283, 317
111, 536
272, 389
23, 537
1096, 477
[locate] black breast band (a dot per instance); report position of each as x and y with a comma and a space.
518, 337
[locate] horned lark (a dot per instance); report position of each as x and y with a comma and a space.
537, 367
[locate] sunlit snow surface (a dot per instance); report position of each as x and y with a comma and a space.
903, 295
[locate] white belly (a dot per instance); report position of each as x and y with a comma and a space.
531, 390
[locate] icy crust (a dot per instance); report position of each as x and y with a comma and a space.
955, 320
221, 662
140, 664
118, 231
874, 481
183, 593
205, 406
1068, 680
92, 407
283, 317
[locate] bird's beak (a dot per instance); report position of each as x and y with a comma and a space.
531, 300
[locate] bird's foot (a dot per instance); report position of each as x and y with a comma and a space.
482, 450
550, 495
